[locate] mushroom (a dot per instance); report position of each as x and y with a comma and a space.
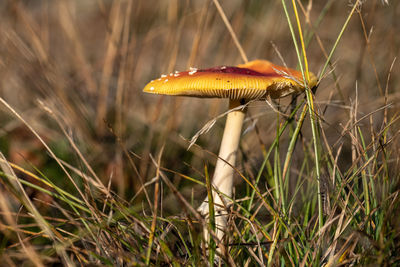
257, 79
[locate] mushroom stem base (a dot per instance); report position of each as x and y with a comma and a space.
223, 176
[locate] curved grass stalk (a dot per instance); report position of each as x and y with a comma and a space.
310, 104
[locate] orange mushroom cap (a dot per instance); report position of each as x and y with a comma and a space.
253, 80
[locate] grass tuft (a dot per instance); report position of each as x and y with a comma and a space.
317, 178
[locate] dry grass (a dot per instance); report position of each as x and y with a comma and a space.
95, 172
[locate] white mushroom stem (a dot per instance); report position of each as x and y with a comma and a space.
223, 175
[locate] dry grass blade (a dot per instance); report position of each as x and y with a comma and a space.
42, 223
116, 19
66, 21
211, 123
230, 29
155, 209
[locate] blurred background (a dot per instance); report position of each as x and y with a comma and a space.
75, 69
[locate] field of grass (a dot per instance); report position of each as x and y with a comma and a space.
94, 172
